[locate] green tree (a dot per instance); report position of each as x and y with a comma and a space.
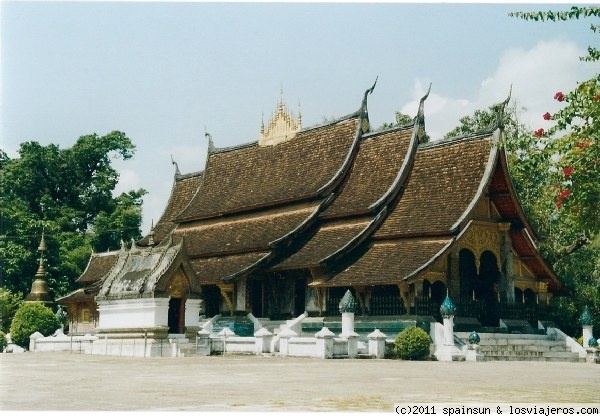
68, 194
9, 303
30, 318
400, 119
571, 143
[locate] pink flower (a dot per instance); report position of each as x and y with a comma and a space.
547, 116
539, 133
584, 145
563, 194
568, 171
559, 96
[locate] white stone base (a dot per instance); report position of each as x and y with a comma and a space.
473, 354
449, 353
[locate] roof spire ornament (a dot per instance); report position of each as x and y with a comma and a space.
177, 172
420, 119
502, 105
365, 127
282, 127
151, 235
211, 144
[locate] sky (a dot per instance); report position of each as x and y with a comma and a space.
164, 73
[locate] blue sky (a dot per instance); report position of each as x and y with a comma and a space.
163, 72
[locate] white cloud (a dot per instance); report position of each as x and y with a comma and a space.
535, 75
128, 180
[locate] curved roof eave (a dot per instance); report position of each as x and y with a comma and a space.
514, 196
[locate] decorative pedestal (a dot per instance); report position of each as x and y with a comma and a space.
263, 341
377, 343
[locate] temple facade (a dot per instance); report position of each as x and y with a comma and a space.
288, 223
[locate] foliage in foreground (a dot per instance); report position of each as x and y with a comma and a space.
412, 344
3, 342
32, 317
9, 304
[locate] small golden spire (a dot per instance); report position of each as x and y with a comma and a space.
39, 287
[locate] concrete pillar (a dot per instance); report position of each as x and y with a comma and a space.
352, 345
32, 340
284, 339
324, 345
377, 343
449, 330
203, 342
587, 322
587, 334
347, 324
192, 314
263, 341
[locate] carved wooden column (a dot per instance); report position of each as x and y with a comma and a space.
453, 280
507, 278
240, 297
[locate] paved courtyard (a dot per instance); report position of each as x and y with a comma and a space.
63, 381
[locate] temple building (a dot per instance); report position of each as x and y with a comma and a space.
288, 223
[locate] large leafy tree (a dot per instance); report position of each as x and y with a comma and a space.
565, 148
67, 194
555, 171
568, 141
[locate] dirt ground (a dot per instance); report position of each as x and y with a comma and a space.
63, 381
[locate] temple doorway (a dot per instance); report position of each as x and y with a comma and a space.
176, 315
257, 298
299, 296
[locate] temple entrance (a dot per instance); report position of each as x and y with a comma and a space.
299, 296
212, 300
257, 298
176, 315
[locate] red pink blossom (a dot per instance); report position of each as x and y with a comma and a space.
584, 144
559, 96
539, 133
547, 116
568, 171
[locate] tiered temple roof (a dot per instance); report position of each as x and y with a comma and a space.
355, 206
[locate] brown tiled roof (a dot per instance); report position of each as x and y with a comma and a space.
77, 296
211, 270
98, 266
389, 262
444, 181
328, 239
248, 232
378, 161
253, 176
184, 188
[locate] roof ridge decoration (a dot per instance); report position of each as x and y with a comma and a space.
384, 206
177, 171
293, 241
502, 105
420, 119
282, 126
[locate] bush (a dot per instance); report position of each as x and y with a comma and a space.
3, 342
412, 344
32, 317
9, 303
